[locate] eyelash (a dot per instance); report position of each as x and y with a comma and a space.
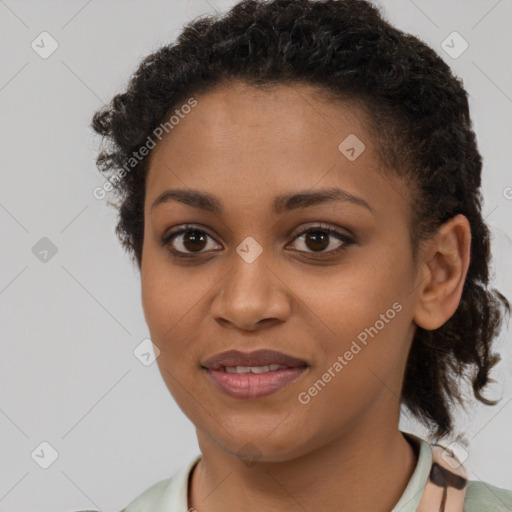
166, 239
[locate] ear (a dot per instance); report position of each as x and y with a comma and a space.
444, 263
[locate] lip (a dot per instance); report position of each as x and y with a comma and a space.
253, 385
256, 358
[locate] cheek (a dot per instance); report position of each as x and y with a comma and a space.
361, 314
165, 307
360, 362
166, 293
354, 296
175, 303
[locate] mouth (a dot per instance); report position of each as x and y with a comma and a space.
255, 374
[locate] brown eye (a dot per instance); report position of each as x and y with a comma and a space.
194, 240
187, 240
318, 239
190, 240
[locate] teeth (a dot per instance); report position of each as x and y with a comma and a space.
257, 369
254, 369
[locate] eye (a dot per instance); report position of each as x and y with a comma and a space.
318, 238
192, 239
189, 239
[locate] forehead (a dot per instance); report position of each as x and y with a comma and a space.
242, 141
282, 114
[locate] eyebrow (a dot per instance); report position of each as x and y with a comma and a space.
283, 203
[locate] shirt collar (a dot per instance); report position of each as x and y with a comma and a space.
174, 495
411, 497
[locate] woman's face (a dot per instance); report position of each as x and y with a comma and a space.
258, 273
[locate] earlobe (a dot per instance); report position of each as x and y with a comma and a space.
444, 262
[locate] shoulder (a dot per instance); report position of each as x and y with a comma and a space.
167, 495
484, 497
150, 497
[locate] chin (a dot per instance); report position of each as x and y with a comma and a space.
255, 444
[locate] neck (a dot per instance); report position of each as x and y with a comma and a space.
364, 469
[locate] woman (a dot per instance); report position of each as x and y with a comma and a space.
299, 185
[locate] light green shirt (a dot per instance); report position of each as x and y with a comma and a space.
170, 495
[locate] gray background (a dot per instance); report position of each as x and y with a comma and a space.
69, 326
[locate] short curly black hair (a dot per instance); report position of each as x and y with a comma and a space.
419, 118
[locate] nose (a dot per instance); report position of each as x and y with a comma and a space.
251, 295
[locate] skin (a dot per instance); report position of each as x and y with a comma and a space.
246, 146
